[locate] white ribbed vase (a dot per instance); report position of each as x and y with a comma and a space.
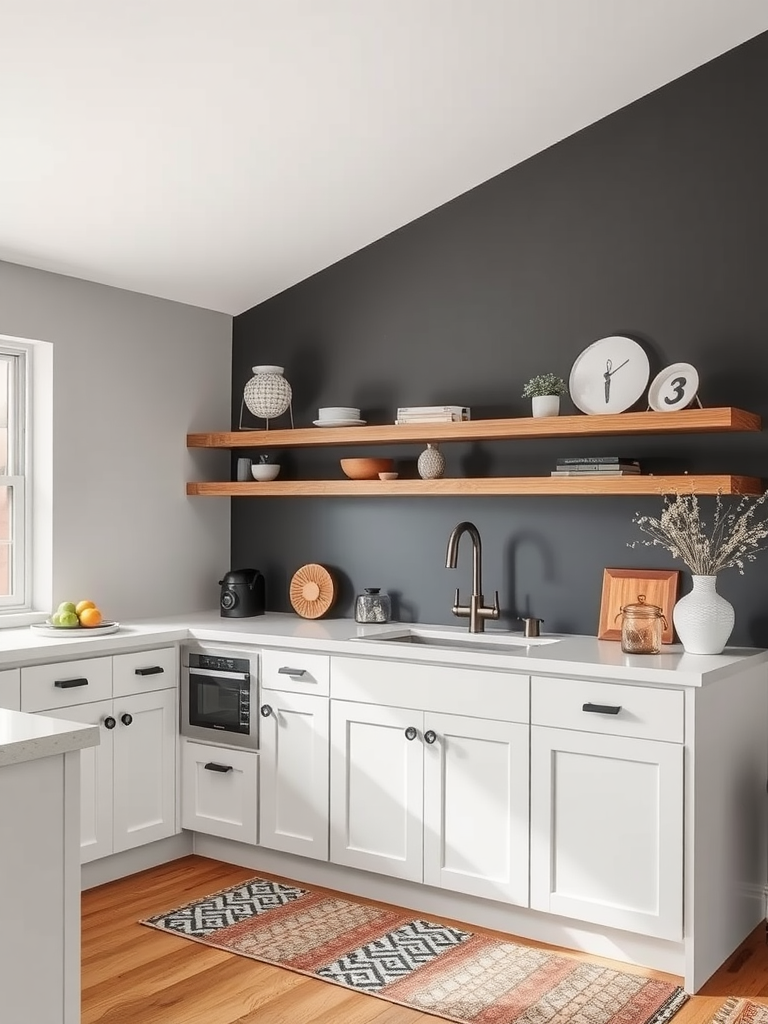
703, 619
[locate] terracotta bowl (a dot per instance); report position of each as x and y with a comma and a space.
365, 469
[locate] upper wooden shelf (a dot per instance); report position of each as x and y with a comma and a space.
687, 421
641, 484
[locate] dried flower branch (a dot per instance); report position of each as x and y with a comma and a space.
733, 539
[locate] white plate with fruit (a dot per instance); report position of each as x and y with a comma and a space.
83, 617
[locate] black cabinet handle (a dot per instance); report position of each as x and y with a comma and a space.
291, 671
411, 733
213, 767
602, 709
266, 710
153, 670
109, 722
430, 736
126, 719
67, 684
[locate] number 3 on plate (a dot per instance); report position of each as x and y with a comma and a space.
674, 388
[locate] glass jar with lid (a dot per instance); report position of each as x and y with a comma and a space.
642, 625
372, 606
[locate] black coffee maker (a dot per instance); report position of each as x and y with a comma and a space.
242, 593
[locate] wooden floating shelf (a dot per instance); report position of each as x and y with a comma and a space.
687, 421
642, 484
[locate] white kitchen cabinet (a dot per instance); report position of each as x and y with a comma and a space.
293, 805
476, 807
10, 689
377, 789
607, 805
431, 797
219, 791
144, 768
128, 782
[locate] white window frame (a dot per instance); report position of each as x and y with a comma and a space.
17, 477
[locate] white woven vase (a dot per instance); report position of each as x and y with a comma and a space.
431, 463
267, 394
703, 619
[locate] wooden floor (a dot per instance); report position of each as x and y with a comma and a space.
136, 975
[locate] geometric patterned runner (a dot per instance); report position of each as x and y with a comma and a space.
432, 967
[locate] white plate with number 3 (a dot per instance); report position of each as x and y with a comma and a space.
673, 388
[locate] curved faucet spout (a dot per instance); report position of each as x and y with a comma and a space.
452, 554
475, 610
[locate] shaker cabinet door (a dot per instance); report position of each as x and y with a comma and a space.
293, 805
476, 807
377, 783
607, 830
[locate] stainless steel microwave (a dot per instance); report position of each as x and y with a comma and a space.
219, 695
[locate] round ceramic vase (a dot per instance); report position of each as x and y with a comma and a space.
267, 394
431, 464
703, 619
545, 405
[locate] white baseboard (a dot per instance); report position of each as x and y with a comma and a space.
107, 869
626, 947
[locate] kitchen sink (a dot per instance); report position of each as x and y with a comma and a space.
477, 641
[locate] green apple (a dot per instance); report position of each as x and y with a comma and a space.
66, 606
56, 619
68, 619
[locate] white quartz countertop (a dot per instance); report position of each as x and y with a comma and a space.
579, 656
28, 737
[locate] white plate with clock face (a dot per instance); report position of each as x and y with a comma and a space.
609, 375
673, 388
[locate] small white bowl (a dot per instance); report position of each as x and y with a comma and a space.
265, 471
388, 476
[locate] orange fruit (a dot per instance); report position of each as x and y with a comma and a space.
82, 605
90, 617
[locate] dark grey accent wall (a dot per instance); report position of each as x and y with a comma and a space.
651, 223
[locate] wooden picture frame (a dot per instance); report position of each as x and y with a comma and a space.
623, 586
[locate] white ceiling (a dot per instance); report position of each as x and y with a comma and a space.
219, 151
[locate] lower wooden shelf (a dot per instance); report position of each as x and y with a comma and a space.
644, 484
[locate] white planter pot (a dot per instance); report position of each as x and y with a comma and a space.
703, 619
546, 405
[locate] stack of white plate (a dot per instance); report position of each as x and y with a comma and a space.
338, 416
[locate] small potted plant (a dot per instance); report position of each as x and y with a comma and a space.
544, 392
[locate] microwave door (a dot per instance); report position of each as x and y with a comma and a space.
215, 700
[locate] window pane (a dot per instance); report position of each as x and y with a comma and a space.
5, 379
5, 541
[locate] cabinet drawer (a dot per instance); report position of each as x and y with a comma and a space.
142, 671
480, 693
643, 711
10, 689
295, 672
65, 683
219, 791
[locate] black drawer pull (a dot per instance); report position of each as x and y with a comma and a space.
213, 767
291, 671
154, 670
67, 684
602, 709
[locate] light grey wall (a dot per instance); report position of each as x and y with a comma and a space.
132, 375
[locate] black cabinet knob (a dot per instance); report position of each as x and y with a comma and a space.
430, 736
109, 722
126, 719
266, 710
411, 733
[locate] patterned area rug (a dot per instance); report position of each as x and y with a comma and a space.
741, 1011
426, 965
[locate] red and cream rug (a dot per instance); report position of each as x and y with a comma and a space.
741, 1011
432, 967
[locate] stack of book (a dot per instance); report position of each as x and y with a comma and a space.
432, 414
597, 465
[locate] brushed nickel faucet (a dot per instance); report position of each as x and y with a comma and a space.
476, 611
